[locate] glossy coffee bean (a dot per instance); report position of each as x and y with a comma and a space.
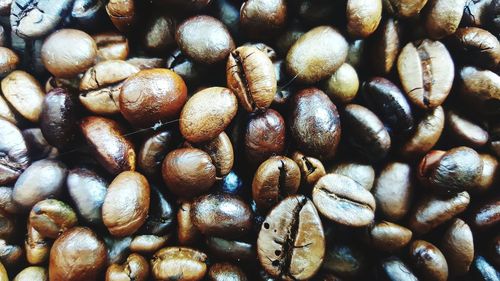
458, 247
153, 151
151, 96
78, 242
32, 273
185, 67
204, 39
36, 246
188, 172
393, 269
179, 263
58, 118
221, 152
67, 62
476, 46
342, 86
486, 215
314, 123
38, 146
385, 45
365, 133
134, 268
122, 14
187, 232
43, 179
316, 55
428, 261
432, 211
126, 204
363, 174
261, 19
344, 259
11, 255
101, 84
426, 71
275, 179
148, 244
490, 173
8, 61
14, 157
24, 93
111, 46
265, 135
311, 169
117, 248
465, 130
160, 216
443, 17
476, 12
251, 76
387, 236
283, 249
89, 14
343, 200
232, 250
159, 34
404, 8
226, 271
481, 89
393, 190
207, 113
363, 17
108, 144
52, 217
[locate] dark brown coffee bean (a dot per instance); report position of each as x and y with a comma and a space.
432, 211
363, 17
490, 173
275, 179
153, 151
404, 8
345, 260
134, 268
58, 118
160, 216
122, 14
480, 89
8, 61
126, 204
78, 242
476, 46
43, 179
10, 255
187, 232
283, 248
190, 71
393, 269
151, 96
220, 150
230, 249
262, 19
458, 247
315, 123
365, 133
311, 169
465, 130
100, 86
188, 172
442, 17
426, 71
108, 144
24, 93
37, 248
343, 200
428, 261
486, 215
32, 273
148, 244
388, 237
179, 263
37, 145
52, 217
384, 46
204, 39
14, 157
362, 174
68, 52
250, 74
316, 55
207, 113
476, 12
118, 248
7, 204
393, 190
159, 34
226, 272
111, 46
342, 86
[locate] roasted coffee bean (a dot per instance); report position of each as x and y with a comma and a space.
486, 215
66, 62
342, 86
283, 248
226, 271
111, 46
389, 103
228, 12
232, 250
442, 17
458, 247
58, 118
186, 68
7, 204
363, 17
453, 171
37, 247
14, 157
24, 93
476, 46
153, 151
43, 179
356, 53
38, 146
432, 211
70, 84
250, 74
151, 96
480, 89
188, 172
10, 255
101, 84
316, 55
187, 232
148, 244
465, 130
207, 113
404, 8
211, 215
265, 135
126, 204
159, 34
32, 273
134, 268
52, 217
263, 19
288, 37
220, 150
426, 71
476, 12
311, 169
146, 62
428, 261
117, 248
365, 133
122, 14
108, 144
490, 173
387, 236
160, 216
393, 269
275, 179
89, 14
384, 46
8, 61
204, 39
314, 123
179, 263
87, 189
363, 174
6, 112
483, 270
343, 200
78, 242
344, 259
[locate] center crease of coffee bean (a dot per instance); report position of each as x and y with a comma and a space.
240, 72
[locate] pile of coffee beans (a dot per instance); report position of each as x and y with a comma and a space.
257, 140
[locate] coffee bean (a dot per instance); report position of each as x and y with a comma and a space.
476, 12
288, 37
204, 39
404, 8
262, 19
311, 169
89, 14
220, 150
58, 119
314, 123
52, 217
428, 261
179, 263
344, 259
134, 268
24, 93
275, 179
426, 71
151, 96
190, 71
37, 248
126, 204
9, 229
154, 149
122, 14
159, 34
363, 17
480, 89
443, 17
342, 86
10, 255
432, 211
160, 216
81, 242
316, 55
490, 173
356, 53
458, 247
231, 249
388, 237
385, 45
187, 232
14, 157
226, 271
32, 273
118, 248
148, 244
228, 12
343, 200
66, 62
486, 215
111, 46
465, 130
283, 249
362, 174
393, 269
250, 74
207, 113
37, 145
8, 61
476, 46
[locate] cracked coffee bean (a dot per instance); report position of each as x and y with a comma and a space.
134, 268
52, 217
178, 262
311, 169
